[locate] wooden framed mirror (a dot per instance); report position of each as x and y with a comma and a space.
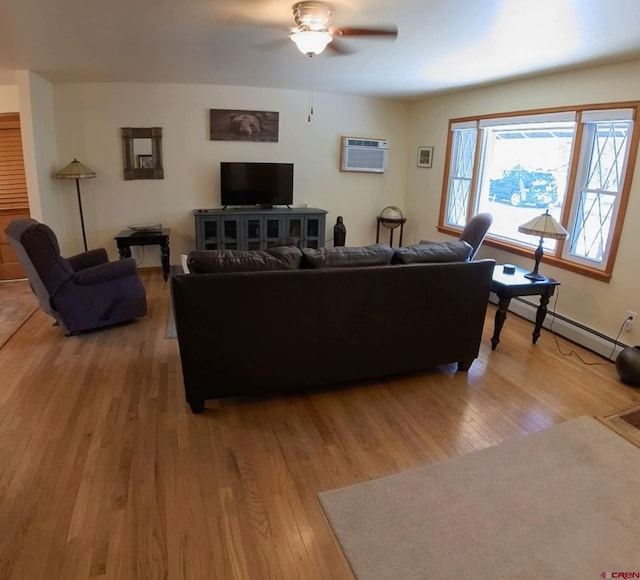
142, 147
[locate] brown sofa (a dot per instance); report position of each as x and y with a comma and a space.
244, 333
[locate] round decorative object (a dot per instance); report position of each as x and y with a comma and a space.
628, 366
391, 213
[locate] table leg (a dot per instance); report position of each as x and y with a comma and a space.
164, 258
541, 313
501, 316
125, 252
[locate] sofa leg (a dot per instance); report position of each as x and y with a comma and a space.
197, 406
464, 365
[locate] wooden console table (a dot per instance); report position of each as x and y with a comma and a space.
127, 238
252, 228
506, 286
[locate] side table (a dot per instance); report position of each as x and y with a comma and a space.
127, 238
506, 286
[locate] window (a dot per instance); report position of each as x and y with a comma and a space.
574, 163
462, 159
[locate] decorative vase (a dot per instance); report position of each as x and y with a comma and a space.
628, 366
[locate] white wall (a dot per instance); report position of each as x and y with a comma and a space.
9, 101
598, 305
88, 121
39, 148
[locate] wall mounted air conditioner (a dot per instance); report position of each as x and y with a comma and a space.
364, 155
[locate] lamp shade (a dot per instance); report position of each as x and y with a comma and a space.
75, 170
311, 42
545, 226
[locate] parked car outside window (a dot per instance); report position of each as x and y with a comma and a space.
519, 186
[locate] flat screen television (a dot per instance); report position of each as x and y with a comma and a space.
261, 184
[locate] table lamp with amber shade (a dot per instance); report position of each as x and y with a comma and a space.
545, 226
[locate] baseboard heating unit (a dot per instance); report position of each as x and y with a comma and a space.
570, 329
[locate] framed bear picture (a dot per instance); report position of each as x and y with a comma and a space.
240, 125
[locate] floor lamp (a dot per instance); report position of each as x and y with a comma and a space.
76, 170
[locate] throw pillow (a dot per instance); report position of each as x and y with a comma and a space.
347, 256
433, 252
218, 261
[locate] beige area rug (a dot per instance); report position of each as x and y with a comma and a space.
562, 503
17, 304
626, 422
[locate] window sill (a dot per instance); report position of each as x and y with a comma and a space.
599, 275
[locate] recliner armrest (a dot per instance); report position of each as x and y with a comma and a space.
104, 272
88, 259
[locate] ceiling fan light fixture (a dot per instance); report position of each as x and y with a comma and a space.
311, 42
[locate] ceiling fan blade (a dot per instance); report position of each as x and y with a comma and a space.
390, 32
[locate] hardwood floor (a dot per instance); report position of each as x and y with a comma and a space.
105, 473
17, 303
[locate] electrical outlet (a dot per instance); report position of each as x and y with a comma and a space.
630, 319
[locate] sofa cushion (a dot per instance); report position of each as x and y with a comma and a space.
217, 261
433, 252
347, 256
285, 242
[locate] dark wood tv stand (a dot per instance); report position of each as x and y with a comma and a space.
254, 228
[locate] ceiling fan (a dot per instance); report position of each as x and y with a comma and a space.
313, 33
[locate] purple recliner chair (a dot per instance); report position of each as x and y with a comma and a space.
475, 231
82, 292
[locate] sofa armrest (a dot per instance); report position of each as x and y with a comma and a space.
104, 272
88, 259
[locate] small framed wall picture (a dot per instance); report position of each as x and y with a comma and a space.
425, 156
145, 161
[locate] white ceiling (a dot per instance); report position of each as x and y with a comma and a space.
441, 46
